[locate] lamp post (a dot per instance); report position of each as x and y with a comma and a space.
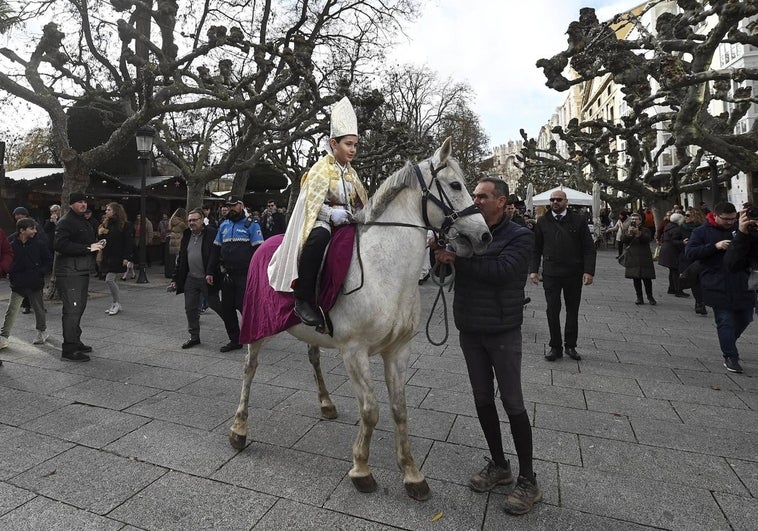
145, 136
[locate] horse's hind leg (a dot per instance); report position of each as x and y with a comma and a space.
359, 371
328, 410
238, 431
395, 371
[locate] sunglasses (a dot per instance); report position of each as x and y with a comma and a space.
555, 199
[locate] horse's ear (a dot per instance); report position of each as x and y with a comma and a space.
444, 150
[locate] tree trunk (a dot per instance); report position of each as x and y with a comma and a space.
195, 191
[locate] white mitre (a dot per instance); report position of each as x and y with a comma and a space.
344, 121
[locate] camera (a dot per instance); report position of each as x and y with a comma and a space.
752, 213
633, 224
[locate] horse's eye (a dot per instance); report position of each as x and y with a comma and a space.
455, 185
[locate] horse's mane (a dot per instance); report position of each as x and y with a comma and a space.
392, 185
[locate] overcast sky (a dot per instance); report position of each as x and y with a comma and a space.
494, 45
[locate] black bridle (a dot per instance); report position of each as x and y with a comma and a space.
443, 202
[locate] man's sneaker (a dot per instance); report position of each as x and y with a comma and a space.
3, 342
523, 497
491, 476
731, 364
41, 338
114, 309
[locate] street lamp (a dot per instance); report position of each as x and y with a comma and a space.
145, 136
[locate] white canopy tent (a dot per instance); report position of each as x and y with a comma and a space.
575, 197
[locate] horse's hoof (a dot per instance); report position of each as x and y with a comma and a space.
418, 491
365, 483
237, 441
329, 412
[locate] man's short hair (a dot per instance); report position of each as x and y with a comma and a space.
724, 207
198, 211
25, 223
501, 187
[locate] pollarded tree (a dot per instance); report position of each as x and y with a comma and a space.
222, 76
675, 96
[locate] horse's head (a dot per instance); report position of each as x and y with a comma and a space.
447, 205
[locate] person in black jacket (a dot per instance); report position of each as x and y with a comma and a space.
194, 275
488, 309
564, 245
31, 259
724, 284
75, 243
118, 253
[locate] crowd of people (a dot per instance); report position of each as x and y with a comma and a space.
207, 258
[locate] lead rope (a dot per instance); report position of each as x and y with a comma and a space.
442, 275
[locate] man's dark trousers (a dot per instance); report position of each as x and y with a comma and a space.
232, 296
73, 292
571, 286
193, 288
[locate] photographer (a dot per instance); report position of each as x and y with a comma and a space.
724, 283
639, 260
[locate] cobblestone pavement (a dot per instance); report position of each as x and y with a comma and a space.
648, 431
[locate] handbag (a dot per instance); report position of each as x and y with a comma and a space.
691, 275
752, 280
657, 252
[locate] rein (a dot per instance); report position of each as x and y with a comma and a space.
439, 275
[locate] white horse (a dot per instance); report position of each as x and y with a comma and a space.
381, 317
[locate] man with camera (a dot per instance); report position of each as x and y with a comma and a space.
724, 279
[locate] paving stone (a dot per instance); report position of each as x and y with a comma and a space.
583, 422
303, 379
553, 394
336, 440
421, 423
649, 462
178, 502
189, 410
714, 416
234, 369
291, 515
12, 497
43, 513
86, 425
20, 406
460, 507
273, 427
630, 406
714, 380
749, 398
414, 395
23, 449
183, 361
689, 393
175, 447
623, 386
105, 393
660, 359
547, 517
291, 474
633, 371
89, 479
440, 379
305, 403
642, 501
228, 390
34, 380
741, 512
702, 439
449, 402
747, 471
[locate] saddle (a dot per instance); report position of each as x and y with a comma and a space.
266, 312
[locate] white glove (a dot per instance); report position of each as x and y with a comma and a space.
325, 213
340, 216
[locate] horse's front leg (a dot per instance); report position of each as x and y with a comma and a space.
358, 369
395, 372
238, 431
328, 410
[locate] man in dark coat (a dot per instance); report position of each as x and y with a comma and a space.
724, 290
272, 221
75, 243
488, 310
564, 245
193, 275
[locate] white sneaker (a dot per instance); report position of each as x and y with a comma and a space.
41, 338
114, 309
3, 342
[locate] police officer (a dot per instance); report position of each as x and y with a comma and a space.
237, 239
